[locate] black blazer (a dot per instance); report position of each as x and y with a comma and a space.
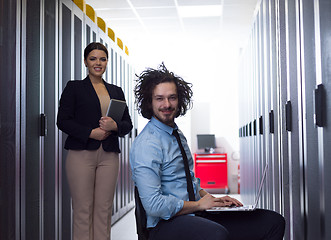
80, 112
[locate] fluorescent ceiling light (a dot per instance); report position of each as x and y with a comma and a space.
200, 11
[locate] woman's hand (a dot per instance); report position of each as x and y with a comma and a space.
108, 124
99, 134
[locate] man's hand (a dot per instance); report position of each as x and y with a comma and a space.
108, 124
99, 134
209, 201
206, 202
231, 201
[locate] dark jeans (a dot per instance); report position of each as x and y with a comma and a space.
254, 225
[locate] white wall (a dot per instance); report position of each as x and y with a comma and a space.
212, 69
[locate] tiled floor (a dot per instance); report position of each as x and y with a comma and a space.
125, 228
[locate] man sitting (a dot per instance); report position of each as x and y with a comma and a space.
172, 198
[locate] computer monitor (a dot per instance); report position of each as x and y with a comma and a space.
206, 142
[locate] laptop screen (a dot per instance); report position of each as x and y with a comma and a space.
261, 185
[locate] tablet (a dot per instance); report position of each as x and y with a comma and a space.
116, 109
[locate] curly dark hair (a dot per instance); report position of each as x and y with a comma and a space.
147, 81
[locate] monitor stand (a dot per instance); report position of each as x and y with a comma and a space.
209, 150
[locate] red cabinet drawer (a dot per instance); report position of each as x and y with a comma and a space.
212, 170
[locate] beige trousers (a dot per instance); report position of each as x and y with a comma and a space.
92, 178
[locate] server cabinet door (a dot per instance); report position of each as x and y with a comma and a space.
309, 143
323, 73
10, 146
50, 89
65, 74
283, 97
32, 174
295, 221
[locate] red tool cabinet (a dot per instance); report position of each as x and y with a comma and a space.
212, 169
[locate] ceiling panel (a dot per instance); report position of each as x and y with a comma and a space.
167, 30
161, 22
97, 4
202, 24
198, 2
124, 23
152, 3
131, 18
109, 14
167, 12
241, 2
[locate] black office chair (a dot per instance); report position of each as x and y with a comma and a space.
141, 219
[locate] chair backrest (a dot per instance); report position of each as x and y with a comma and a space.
141, 219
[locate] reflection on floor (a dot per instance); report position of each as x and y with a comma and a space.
125, 228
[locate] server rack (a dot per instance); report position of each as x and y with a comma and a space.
284, 66
42, 50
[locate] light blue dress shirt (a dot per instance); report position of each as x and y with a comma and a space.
158, 171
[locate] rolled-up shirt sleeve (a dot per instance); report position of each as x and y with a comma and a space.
146, 162
196, 183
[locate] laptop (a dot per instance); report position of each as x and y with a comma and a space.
244, 207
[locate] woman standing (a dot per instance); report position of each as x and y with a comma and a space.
92, 163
